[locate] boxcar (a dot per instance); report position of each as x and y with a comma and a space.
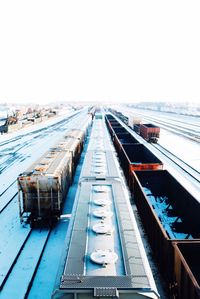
169, 213
150, 132
187, 269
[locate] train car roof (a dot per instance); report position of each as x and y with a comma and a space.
99, 261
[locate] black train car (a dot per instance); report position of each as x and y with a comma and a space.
169, 213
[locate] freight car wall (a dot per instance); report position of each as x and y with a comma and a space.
187, 269
150, 132
169, 214
133, 156
137, 157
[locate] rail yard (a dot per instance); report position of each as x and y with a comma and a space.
101, 202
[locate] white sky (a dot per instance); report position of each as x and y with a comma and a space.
99, 50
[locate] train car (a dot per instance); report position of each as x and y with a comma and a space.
121, 139
100, 160
3, 125
150, 132
124, 118
43, 186
73, 141
169, 213
187, 269
136, 128
103, 254
137, 157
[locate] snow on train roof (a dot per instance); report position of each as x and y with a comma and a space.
50, 162
100, 158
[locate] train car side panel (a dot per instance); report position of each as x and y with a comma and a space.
169, 213
150, 132
187, 269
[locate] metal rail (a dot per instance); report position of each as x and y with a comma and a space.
26, 256
181, 131
179, 162
54, 126
9, 161
167, 125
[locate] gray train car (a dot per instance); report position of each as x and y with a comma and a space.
100, 159
103, 255
43, 186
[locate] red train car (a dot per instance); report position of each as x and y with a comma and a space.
150, 132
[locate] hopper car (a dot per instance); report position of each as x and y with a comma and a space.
103, 254
42, 188
170, 216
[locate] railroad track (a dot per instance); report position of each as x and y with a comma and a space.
29, 139
190, 133
41, 130
179, 162
26, 261
21, 248
8, 196
195, 135
10, 191
18, 250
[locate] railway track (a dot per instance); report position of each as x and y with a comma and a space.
13, 152
26, 262
21, 248
179, 162
7, 196
41, 130
8, 190
191, 132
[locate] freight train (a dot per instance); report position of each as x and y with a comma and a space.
149, 132
169, 212
43, 186
103, 254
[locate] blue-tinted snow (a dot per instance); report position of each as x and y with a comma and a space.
162, 208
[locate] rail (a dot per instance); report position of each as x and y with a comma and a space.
179, 162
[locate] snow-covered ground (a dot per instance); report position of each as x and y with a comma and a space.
16, 155
187, 150
17, 151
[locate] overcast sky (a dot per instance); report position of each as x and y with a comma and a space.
99, 50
